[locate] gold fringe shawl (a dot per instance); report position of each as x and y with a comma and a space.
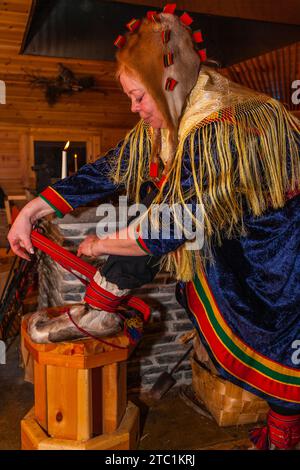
137, 165
260, 172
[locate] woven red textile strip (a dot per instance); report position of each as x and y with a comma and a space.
170, 8
202, 54
186, 19
120, 41
72, 262
62, 256
133, 25
153, 170
170, 84
152, 16
197, 36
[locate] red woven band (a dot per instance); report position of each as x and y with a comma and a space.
95, 295
197, 36
153, 16
63, 257
281, 430
120, 41
202, 54
170, 8
186, 19
170, 84
101, 298
284, 431
133, 25
153, 170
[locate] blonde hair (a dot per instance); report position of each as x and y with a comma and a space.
124, 69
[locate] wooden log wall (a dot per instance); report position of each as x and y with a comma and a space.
262, 10
99, 117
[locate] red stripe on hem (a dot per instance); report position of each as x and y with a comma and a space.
293, 369
231, 364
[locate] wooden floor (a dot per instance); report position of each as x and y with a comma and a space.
189, 428
171, 424
163, 428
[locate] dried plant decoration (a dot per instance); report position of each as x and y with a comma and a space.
64, 83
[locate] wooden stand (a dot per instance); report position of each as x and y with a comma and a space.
80, 395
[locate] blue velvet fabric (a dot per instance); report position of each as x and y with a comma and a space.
255, 279
256, 283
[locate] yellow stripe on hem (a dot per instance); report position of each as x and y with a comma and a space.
248, 351
231, 372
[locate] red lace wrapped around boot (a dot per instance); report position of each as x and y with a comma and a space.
102, 298
281, 431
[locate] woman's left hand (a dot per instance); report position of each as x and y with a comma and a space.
90, 247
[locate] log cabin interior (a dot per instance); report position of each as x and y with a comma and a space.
57, 84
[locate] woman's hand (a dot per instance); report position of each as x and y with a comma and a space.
119, 243
90, 247
19, 234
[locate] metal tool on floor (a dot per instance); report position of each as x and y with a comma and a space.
166, 381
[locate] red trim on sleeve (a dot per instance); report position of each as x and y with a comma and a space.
56, 200
142, 245
141, 242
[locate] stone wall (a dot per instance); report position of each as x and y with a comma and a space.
159, 349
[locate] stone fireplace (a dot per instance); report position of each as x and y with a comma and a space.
159, 349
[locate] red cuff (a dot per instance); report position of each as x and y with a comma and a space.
56, 201
141, 242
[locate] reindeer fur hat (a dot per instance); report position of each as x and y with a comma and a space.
160, 51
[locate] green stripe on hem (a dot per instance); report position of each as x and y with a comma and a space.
238, 353
59, 214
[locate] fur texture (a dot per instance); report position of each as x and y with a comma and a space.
43, 329
142, 56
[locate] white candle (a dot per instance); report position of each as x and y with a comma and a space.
75, 163
64, 165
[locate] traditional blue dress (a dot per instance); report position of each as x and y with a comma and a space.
246, 305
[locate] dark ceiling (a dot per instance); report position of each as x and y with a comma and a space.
86, 29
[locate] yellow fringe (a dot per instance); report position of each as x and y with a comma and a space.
137, 169
261, 130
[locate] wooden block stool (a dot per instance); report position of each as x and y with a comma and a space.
80, 394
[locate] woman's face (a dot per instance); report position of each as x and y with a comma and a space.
141, 101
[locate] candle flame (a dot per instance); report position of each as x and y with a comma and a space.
67, 145
75, 155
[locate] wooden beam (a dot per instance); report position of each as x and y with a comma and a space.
274, 11
17, 6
